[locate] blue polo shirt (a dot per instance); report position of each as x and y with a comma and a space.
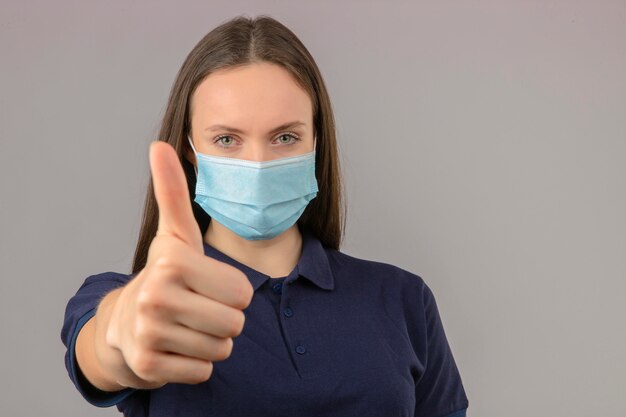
338, 336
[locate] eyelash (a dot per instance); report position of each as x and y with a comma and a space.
293, 135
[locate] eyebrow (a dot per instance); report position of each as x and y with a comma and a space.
289, 125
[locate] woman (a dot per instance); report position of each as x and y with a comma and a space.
240, 302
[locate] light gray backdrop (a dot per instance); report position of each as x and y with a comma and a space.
483, 147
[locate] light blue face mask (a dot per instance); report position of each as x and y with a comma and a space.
256, 200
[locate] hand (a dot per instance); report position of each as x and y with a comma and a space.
181, 312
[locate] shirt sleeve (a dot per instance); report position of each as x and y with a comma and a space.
80, 308
439, 392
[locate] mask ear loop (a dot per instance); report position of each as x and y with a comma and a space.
195, 167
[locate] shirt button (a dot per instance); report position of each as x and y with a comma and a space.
277, 288
288, 312
300, 349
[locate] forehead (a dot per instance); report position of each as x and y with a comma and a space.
255, 93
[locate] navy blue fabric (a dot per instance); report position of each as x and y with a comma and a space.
338, 336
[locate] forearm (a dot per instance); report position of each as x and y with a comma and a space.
102, 365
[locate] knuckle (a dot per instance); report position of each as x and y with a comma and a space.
139, 329
146, 334
110, 337
167, 267
150, 299
235, 326
144, 364
165, 262
202, 373
144, 301
224, 349
243, 294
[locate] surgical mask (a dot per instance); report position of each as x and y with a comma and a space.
256, 200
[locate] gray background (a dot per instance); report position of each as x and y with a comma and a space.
483, 148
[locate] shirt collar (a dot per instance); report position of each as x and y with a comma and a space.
312, 265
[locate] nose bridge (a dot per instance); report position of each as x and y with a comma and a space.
257, 150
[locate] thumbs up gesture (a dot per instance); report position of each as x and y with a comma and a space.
181, 312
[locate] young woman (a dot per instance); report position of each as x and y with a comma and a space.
239, 302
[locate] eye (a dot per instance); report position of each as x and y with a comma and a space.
288, 139
225, 141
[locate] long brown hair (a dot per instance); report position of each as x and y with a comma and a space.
241, 41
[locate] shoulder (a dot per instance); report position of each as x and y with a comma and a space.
345, 262
107, 279
377, 273
401, 300
98, 285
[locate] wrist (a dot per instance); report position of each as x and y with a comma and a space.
109, 359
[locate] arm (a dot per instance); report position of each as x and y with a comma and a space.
103, 366
439, 390
80, 320
91, 341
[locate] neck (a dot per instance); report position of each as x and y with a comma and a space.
275, 257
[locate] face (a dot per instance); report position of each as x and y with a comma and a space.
257, 112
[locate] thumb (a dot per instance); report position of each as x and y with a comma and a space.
170, 189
